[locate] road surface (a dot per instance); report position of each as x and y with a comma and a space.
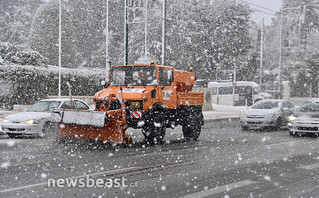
224, 162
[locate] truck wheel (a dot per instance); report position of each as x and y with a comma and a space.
155, 132
192, 128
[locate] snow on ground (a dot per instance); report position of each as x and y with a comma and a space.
228, 108
224, 112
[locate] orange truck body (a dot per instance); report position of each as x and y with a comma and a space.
150, 97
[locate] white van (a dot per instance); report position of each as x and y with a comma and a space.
246, 93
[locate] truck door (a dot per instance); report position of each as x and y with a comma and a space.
167, 92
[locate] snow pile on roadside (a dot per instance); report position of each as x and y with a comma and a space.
229, 108
224, 112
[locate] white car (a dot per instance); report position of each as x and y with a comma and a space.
267, 113
305, 119
36, 120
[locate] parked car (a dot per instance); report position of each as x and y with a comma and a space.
266, 114
36, 120
246, 92
305, 119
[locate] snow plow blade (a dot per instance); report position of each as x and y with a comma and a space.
86, 118
105, 126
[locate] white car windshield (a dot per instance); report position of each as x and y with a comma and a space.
266, 105
309, 106
44, 106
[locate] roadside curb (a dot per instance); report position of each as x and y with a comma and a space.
222, 122
223, 119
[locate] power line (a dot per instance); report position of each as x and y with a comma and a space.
263, 12
261, 7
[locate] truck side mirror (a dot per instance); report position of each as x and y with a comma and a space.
155, 83
104, 84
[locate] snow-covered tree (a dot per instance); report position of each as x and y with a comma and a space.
44, 36
15, 17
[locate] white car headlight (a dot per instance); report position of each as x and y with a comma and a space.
292, 118
32, 122
6, 121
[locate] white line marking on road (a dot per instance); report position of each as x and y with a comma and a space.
309, 167
220, 189
291, 142
92, 174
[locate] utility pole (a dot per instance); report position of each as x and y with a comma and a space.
145, 43
125, 34
60, 35
163, 32
107, 64
234, 81
261, 52
280, 49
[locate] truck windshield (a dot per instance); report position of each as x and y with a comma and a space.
133, 76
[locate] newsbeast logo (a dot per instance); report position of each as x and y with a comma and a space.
88, 182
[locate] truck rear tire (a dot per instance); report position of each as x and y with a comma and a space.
192, 128
155, 132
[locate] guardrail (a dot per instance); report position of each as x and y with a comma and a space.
20, 108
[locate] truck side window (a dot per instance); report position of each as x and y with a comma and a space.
166, 76
118, 77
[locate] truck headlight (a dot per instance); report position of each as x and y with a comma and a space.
135, 105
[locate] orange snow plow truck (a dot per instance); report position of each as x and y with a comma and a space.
150, 97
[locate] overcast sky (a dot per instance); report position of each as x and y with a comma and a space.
269, 4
